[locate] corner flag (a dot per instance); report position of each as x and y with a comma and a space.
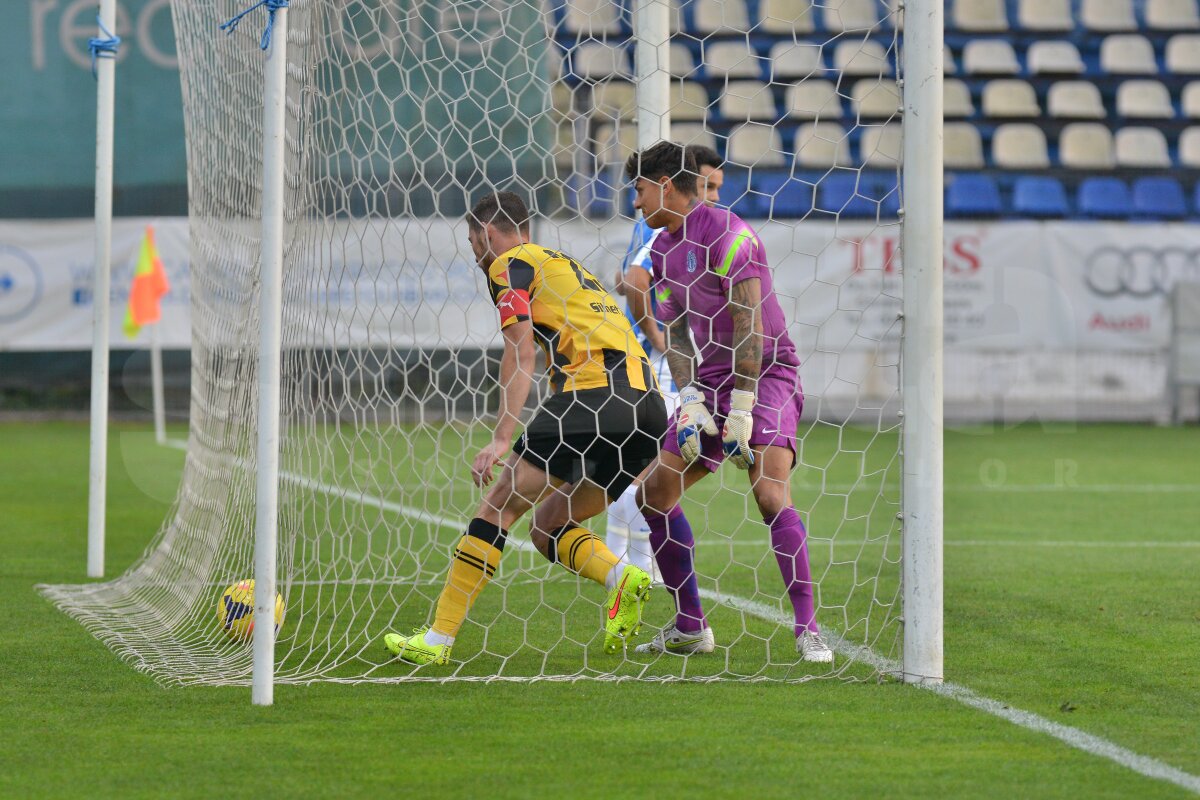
149, 285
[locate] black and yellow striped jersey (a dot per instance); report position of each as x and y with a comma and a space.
581, 329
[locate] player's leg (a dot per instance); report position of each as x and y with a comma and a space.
671, 538
628, 533
475, 561
770, 479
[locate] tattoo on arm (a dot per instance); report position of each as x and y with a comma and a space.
681, 354
745, 299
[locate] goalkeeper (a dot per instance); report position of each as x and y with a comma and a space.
599, 429
712, 283
627, 531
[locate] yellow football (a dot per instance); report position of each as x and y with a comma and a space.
235, 610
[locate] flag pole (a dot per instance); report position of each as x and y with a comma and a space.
156, 383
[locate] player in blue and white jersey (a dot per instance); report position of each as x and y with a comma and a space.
628, 532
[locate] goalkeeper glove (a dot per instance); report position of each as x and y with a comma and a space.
694, 417
738, 425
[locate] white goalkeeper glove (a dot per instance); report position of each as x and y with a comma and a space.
738, 425
694, 417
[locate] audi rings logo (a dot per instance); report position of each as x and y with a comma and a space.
1139, 272
20, 283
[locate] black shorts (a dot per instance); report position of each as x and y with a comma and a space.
606, 435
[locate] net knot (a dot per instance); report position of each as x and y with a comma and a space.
103, 46
230, 26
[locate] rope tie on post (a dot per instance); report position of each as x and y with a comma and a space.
272, 6
103, 47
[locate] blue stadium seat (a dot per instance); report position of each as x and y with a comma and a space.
973, 196
735, 195
865, 194
1158, 198
1104, 198
781, 195
1040, 196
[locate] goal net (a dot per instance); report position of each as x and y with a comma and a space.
399, 115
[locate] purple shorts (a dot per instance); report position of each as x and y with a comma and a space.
776, 416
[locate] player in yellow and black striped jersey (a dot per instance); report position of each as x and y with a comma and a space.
601, 427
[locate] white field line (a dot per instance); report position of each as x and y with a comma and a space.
1073, 737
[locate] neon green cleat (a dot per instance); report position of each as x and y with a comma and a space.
623, 611
414, 650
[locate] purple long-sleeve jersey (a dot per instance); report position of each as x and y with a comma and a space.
694, 269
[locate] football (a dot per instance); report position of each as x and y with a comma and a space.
235, 610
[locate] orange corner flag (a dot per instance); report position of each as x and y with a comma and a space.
149, 285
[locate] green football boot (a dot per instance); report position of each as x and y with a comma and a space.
623, 611
415, 650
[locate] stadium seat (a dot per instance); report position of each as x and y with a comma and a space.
1040, 196
756, 145
859, 194
736, 195
1075, 100
591, 18
881, 145
681, 61
595, 61
979, 16
1104, 198
962, 146
813, 99
1130, 54
1144, 99
1142, 147
1107, 16
689, 101
972, 196
562, 100
565, 145
1054, 58
875, 99
851, 15
948, 65
783, 195
742, 101
1189, 100
1189, 148
732, 60
795, 60
821, 145
990, 57
693, 133
1158, 198
614, 99
956, 99
720, 16
1010, 98
1086, 145
1172, 15
1183, 54
615, 143
854, 57
1019, 145
1045, 15
785, 16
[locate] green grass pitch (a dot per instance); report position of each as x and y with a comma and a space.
1072, 565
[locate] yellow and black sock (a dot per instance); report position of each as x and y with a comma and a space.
476, 558
580, 551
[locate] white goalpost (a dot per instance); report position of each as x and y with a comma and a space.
345, 346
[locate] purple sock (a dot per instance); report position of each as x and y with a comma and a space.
789, 540
672, 542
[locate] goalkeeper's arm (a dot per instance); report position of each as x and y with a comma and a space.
745, 299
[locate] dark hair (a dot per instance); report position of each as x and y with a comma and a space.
704, 156
506, 210
664, 159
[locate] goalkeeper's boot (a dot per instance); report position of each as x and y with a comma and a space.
672, 640
415, 650
813, 648
623, 611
